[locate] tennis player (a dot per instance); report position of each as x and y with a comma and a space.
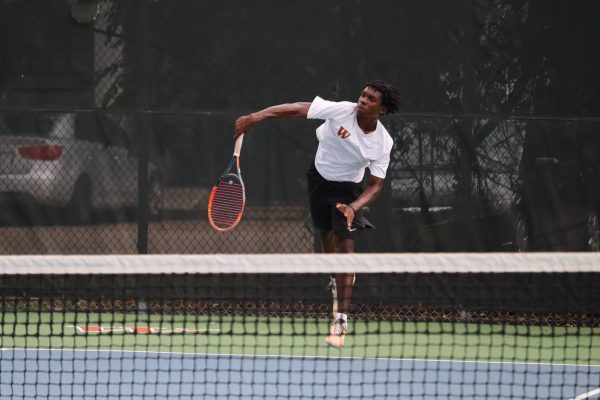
351, 139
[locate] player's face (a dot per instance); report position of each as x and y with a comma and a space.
369, 104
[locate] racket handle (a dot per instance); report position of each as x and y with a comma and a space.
238, 146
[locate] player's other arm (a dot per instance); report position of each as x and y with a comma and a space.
371, 192
292, 110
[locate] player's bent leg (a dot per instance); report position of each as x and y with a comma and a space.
332, 287
343, 285
328, 243
344, 282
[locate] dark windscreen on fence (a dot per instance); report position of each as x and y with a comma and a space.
116, 118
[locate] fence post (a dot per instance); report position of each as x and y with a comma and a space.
143, 132
467, 156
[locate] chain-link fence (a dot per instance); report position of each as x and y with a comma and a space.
95, 182
517, 184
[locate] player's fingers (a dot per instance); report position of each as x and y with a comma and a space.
242, 126
344, 208
350, 219
346, 211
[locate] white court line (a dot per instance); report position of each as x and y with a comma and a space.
305, 357
587, 395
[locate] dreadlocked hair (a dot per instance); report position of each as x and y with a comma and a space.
390, 96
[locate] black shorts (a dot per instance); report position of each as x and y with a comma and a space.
323, 195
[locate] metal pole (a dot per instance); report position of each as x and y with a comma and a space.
144, 128
466, 126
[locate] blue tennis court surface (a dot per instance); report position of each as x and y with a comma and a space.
110, 374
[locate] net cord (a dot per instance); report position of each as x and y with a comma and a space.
302, 263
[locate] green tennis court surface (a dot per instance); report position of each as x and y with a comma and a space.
302, 337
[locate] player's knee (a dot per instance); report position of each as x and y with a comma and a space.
344, 246
328, 241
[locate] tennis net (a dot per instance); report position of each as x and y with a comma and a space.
494, 326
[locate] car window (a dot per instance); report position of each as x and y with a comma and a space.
62, 126
115, 128
27, 124
87, 128
551, 139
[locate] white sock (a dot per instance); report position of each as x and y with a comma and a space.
341, 316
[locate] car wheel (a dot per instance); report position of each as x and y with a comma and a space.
155, 198
593, 231
80, 206
521, 233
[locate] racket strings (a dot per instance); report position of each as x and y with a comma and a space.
227, 203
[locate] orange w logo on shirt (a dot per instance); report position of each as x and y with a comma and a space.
343, 133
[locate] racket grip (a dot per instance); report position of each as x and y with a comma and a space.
238, 146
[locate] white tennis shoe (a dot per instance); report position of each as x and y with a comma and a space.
337, 334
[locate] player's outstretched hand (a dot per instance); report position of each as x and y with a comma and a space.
243, 125
348, 212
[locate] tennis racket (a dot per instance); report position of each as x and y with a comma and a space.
228, 196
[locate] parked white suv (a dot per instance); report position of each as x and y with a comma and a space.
81, 161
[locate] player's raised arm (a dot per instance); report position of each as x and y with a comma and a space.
292, 110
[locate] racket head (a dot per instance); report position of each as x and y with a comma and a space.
226, 202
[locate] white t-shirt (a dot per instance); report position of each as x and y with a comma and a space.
345, 150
